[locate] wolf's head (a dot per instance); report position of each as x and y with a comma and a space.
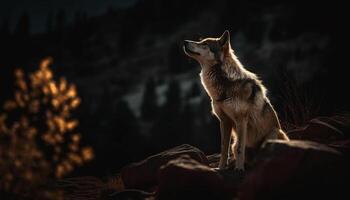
209, 51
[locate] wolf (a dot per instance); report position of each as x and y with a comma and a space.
238, 99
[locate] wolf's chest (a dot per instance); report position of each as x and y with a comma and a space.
212, 90
221, 88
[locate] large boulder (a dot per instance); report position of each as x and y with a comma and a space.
323, 130
129, 195
295, 170
185, 178
143, 174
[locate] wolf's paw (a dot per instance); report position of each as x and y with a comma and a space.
222, 164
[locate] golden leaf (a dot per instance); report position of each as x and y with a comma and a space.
22, 85
59, 138
10, 105
71, 93
59, 171
53, 88
55, 103
67, 166
45, 63
60, 124
63, 84
47, 137
87, 153
47, 74
76, 138
46, 90
75, 103
19, 73
71, 125
75, 158
18, 99
73, 147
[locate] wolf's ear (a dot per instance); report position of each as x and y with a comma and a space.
225, 38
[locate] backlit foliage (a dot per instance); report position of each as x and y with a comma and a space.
38, 137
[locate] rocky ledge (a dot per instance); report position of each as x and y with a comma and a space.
314, 164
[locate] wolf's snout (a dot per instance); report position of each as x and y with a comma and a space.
187, 48
186, 44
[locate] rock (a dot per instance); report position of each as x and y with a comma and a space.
342, 146
130, 195
185, 178
143, 175
295, 170
323, 130
249, 156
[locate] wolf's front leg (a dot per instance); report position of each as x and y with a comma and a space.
240, 143
225, 129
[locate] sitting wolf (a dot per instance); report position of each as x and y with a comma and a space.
238, 98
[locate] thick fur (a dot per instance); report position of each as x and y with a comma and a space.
238, 98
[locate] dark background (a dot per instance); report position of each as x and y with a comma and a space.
141, 94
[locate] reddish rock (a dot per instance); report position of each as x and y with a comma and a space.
323, 130
295, 170
129, 195
342, 146
143, 175
185, 178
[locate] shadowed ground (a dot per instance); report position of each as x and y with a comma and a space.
313, 164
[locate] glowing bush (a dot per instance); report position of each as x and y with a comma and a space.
38, 137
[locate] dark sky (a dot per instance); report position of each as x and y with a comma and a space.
39, 9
